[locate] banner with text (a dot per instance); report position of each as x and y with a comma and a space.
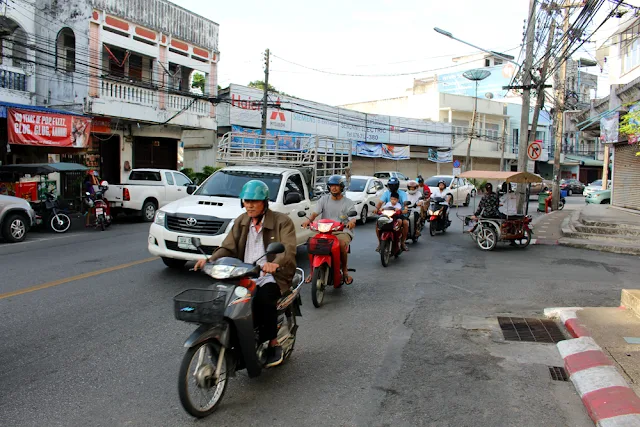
246, 138
384, 151
440, 156
26, 127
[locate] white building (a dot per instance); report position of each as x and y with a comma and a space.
124, 69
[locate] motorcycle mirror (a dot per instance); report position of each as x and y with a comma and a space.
407, 203
275, 248
195, 242
301, 214
372, 204
352, 213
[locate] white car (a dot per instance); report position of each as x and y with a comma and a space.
594, 186
460, 189
384, 176
362, 190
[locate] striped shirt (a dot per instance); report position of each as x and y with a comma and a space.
255, 249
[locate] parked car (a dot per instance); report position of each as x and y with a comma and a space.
16, 218
572, 186
459, 188
598, 197
362, 190
594, 186
147, 190
384, 176
541, 187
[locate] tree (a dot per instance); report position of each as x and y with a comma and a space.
198, 81
630, 127
259, 84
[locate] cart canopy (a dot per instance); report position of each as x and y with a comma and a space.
43, 168
517, 177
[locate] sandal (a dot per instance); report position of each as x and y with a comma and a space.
378, 248
348, 280
308, 279
405, 248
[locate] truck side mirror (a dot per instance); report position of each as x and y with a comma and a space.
293, 197
191, 188
301, 214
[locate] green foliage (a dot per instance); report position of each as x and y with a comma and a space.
198, 82
479, 184
190, 173
630, 126
199, 177
259, 84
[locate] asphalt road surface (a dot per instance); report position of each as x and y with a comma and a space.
88, 336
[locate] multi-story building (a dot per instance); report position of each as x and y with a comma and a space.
118, 73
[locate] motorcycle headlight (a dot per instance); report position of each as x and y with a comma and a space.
388, 212
223, 272
324, 227
160, 217
430, 212
383, 220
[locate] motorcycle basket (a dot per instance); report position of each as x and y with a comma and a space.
319, 246
200, 306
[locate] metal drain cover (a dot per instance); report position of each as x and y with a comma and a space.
558, 374
530, 330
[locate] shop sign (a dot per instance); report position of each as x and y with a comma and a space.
27, 127
101, 125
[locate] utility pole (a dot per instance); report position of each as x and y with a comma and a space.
504, 141
265, 96
526, 102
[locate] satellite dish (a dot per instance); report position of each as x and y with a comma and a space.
488, 95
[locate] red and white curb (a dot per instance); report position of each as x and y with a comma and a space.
608, 398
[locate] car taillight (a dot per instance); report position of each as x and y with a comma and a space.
125, 195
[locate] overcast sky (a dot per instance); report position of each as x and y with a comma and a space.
357, 37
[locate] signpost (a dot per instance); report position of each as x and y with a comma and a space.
456, 168
534, 150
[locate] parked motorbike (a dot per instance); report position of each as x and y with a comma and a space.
438, 216
324, 257
415, 222
52, 215
101, 206
390, 227
227, 339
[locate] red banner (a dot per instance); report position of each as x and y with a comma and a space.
47, 129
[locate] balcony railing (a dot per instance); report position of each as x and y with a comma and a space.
200, 107
128, 93
13, 80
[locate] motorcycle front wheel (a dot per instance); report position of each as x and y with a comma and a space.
200, 392
319, 282
432, 228
101, 221
60, 223
385, 252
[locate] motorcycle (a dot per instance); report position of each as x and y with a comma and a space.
390, 227
437, 215
101, 206
227, 339
415, 222
324, 257
51, 214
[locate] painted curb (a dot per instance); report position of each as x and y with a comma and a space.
609, 400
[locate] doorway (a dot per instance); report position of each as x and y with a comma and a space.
155, 153
110, 158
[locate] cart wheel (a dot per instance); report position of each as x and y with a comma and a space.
487, 239
524, 242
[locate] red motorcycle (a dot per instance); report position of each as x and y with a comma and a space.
324, 258
390, 227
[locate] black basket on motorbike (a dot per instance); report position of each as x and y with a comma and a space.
200, 306
319, 246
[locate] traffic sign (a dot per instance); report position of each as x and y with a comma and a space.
534, 150
456, 164
457, 171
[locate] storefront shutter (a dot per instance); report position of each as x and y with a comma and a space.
626, 177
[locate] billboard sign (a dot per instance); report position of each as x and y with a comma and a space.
501, 75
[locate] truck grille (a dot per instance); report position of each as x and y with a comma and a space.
203, 224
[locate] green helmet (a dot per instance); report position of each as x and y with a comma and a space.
254, 190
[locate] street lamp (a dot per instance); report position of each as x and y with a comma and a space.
475, 76
499, 55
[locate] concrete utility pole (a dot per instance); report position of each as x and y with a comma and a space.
526, 102
265, 97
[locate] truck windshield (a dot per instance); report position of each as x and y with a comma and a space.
228, 183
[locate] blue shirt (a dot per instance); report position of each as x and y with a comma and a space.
386, 196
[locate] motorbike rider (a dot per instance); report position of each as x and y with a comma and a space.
415, 197
489, 205
440, 192
336, 206
249, 237
393, 186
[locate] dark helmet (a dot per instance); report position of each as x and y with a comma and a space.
489, 187
336, 180
420, 180
442, 182
393, 184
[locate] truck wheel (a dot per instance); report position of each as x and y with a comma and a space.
174, 263
14, 228
148, 211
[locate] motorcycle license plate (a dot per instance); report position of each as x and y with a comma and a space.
185, 243
99, 211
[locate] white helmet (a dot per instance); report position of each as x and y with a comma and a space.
412, 183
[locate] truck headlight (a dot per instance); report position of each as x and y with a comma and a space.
160, 217
230, 226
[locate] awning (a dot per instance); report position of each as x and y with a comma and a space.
583, 161
43, 168
517, 177
5, 105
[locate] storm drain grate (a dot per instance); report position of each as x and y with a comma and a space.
530, 329
558, 374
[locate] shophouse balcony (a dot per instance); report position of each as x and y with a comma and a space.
14, 86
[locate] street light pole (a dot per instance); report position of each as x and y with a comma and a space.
499, 55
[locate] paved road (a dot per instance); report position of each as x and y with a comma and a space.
416, 343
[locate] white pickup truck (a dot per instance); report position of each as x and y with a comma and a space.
210, 211
147, 190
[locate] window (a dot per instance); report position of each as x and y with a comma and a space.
630, 48
460, 127
433, 181
169, 177
357, 185
497, 62
487, 63
294, 185
135, 67
66, 51
402, 177
379, 185
117, 62
145, 176
382, 175
492, 130
181, 180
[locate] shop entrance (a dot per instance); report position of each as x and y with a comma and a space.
157, 153
110, 158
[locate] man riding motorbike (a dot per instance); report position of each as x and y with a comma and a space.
336, 206
393, 186
249, 237
415, 197
489, 205
440, 192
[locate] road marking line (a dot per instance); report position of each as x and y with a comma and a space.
74, 278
